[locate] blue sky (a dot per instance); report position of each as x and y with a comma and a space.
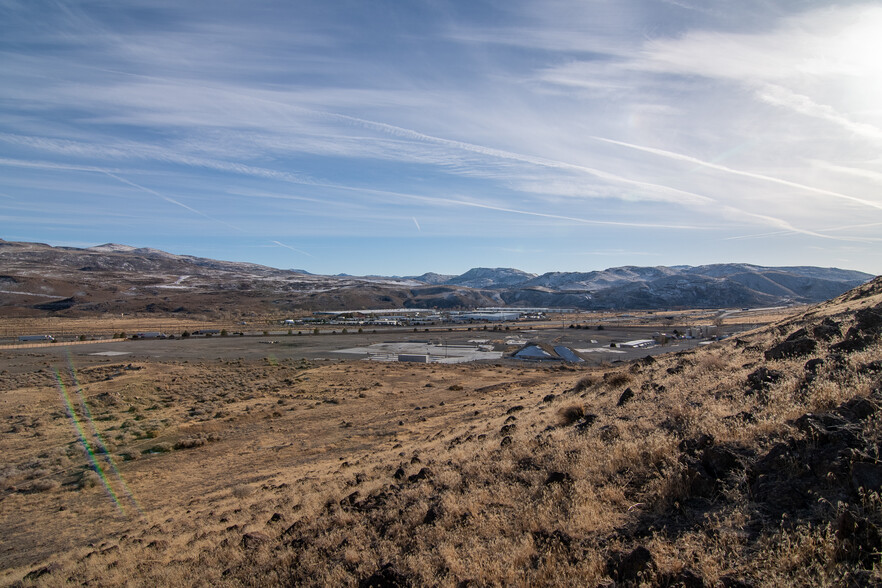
392, 137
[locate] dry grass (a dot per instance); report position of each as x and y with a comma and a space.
322, 475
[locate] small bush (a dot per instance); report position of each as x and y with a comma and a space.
583, 384
44, 485
242, 491
616, 379
190, 443
159, 448
571, 414
89, 479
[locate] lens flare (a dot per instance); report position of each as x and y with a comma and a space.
98, 441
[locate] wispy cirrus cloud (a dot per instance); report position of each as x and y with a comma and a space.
715, 124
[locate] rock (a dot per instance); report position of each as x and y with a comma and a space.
254, 540
549, 397
399, 474
40, 572
720, 461
277, 517
762, 378
697, 479
506, 429
857, 409
627, 395
792, 348
506, 441
853, 342
514, 409
423, 474
812, 365
386, 577
694, 445
632, 566
873, 367
827, 330
685, 578
743, 416
797, 335
856, 538
432, 515
545, 541
867, 476
609, 433
733, 582
586, 422
557, 478
868, 321
350, 500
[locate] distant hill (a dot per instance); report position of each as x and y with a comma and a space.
491, 278
112, 278
730, 284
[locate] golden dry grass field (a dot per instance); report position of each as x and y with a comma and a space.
736, 464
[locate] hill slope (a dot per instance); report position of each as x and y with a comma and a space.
754, 461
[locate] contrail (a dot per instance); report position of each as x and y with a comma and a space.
280, 244
417, 224
723, 168
170, 200
108, 173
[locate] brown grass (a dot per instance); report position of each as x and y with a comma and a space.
278, 474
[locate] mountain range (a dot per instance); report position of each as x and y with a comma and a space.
36, 278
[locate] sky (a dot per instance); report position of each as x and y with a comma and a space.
397, 138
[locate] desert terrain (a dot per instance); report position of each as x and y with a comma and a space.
748, 462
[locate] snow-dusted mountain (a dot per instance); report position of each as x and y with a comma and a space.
491, 278
37, 278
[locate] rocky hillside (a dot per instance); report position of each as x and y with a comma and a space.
751, 462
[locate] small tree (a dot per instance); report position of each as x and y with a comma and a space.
223, 332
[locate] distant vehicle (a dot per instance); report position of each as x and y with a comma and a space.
37, 338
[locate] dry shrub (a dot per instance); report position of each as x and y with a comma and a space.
242, 491
712, 363
570, 414
616, 379
160, 448
583, 384
44, 485
196, 440
89, 479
